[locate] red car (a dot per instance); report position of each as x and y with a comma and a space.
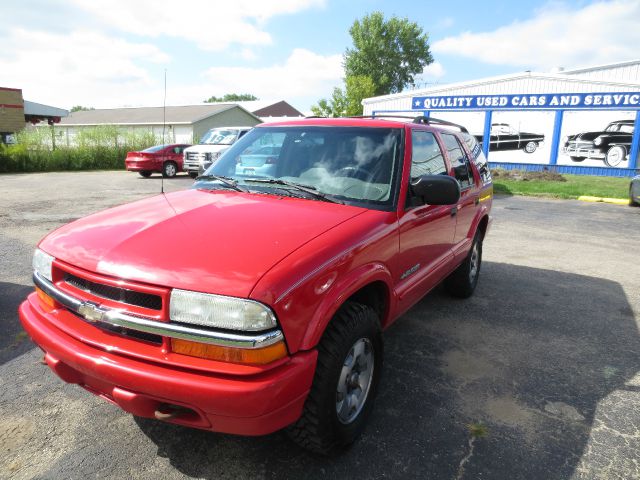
165, 159
268, 311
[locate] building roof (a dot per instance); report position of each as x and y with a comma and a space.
270, 108
186, 114
607, 66
40, 110
553, 77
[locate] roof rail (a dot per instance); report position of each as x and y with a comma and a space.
437, 121
419, 119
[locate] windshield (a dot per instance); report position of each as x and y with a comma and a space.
219, 136
353, 165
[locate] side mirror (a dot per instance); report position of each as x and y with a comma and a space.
436, 189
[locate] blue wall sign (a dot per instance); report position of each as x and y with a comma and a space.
548, 101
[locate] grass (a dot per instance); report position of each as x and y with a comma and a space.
569, 186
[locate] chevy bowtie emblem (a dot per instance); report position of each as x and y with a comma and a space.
91, 312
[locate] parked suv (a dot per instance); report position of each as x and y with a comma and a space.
612, 145
270, 314
212, 144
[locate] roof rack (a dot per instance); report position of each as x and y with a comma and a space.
419, 119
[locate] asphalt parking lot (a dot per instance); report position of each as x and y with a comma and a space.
536, 376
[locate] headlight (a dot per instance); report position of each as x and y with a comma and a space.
565, 139
219, 311
42, 264
597, 141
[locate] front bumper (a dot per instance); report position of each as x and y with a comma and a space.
246, 405
586, 152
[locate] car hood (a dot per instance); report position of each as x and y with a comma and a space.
588, 136
210, 241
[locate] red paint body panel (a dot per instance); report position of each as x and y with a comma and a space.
222, 401
153, 161
303, 258
166, 240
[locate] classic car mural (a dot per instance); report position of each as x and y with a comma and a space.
504, 137
611, 145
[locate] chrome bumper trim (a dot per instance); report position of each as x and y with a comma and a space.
96, 314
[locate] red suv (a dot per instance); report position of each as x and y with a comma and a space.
269, 311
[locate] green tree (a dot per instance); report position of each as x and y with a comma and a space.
232, 97
80, 108
336, 106
347, 102
389, 52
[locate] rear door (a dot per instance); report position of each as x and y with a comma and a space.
426, 231
469, 197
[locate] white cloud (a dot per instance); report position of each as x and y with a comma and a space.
79, 67
210, 25
602, 32
304, 73
433, 70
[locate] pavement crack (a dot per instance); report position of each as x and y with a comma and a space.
466, 458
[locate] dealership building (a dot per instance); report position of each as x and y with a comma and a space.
582, 121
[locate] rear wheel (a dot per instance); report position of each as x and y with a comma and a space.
615, 156
169, 169
145, 173
530, 147
345, 382
462, 282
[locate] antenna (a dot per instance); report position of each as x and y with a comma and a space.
164, 122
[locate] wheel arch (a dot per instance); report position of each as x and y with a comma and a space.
369, 285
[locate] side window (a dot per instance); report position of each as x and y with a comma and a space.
459, 160
426, 156
242, 133
477, 157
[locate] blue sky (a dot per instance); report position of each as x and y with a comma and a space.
109, 53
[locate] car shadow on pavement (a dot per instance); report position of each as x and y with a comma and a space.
14, 341
511, 383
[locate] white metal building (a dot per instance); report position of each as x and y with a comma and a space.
555, 123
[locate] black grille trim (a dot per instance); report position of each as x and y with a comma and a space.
130, 297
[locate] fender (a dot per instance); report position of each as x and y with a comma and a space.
344, 288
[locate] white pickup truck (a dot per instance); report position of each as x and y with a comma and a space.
199, 157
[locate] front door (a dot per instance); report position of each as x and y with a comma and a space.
426, 231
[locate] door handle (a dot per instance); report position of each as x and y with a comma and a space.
476, 200
454, 211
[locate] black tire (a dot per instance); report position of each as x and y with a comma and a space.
462, 282
169, 169
632, 202
577, 159
145, 173
320, 429
193, 174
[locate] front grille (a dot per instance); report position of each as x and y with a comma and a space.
130, 297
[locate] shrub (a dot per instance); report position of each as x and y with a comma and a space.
96, 148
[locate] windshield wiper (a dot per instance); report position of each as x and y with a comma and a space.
229, 182
313, 191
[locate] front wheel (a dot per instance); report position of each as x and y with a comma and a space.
615, 156
462, 282
193, 174
577, 159
530, 147
345, 382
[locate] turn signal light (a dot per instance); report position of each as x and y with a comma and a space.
47, 302
258, 356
